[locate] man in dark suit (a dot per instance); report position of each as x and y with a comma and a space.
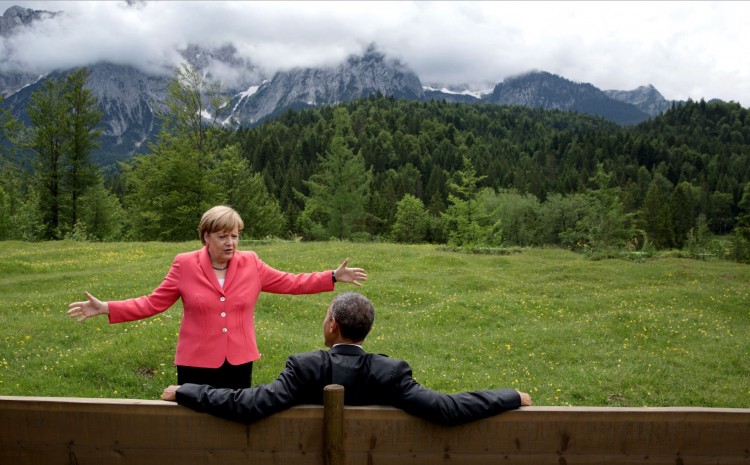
368, 379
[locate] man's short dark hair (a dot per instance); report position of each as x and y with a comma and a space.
354, 314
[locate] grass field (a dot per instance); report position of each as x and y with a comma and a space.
570, 331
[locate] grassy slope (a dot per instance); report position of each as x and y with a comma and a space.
570, 331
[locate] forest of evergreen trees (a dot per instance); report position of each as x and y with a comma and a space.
472, 176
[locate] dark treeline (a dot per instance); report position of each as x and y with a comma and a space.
386, 169
676, 175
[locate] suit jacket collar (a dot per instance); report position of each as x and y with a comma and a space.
208, 270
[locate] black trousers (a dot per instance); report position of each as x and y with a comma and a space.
226, 376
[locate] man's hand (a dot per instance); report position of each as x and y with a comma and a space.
170, 393
525, 399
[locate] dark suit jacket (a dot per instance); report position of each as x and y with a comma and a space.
368, 379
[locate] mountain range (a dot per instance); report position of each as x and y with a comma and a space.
131, 98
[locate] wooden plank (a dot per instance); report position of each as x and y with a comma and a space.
333, 424
68, 430
52, 430
554, 435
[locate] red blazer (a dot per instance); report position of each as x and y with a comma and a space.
218, 322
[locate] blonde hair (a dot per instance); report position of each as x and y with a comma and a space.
219, 218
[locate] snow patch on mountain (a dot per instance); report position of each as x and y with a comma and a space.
477, 94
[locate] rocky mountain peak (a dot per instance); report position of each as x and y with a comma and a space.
357, 77
16, 16
541, 89
538, 89
646, 98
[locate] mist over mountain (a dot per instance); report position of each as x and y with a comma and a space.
16, 16
131, 98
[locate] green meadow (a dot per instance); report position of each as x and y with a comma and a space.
568, 330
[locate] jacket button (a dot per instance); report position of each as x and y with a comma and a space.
224, 330
223, 314
222, 298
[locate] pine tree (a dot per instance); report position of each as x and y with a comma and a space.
655, 214
64, 116
47, 112
82, 116
743, 219
461, 216
246, 192
338, 193
741, 241
10, 178
605, 223
10, 130
167, 192
101, 216
683, 212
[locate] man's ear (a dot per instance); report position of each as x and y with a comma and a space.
334, 325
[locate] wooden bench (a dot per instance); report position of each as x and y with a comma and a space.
79, 431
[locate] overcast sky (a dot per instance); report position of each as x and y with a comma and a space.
684, 49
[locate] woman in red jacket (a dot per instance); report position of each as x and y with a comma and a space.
219, 286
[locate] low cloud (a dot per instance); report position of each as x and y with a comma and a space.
685, 49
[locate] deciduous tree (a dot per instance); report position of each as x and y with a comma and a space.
412, 220
193, 107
